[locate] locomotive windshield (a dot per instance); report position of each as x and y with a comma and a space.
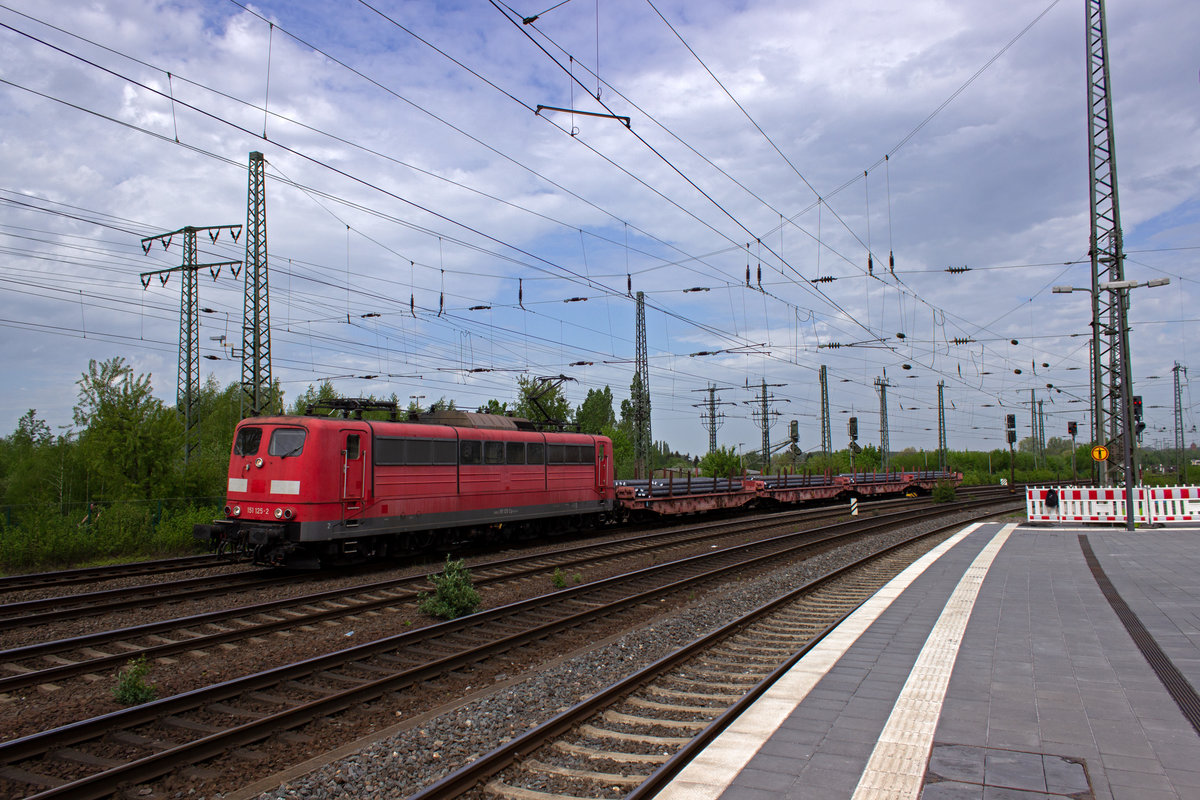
247, 441
286, 442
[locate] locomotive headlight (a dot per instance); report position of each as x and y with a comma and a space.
279, 513
288, 513
258, 462
228, 511
237, 511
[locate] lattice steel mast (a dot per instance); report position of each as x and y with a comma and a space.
1179, 444
882, 384
256, 318
763, 416
710, 418
641, 403
941, 427
188, 383
826, 432
1111, 353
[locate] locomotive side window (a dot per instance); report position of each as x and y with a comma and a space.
470, 452
445, 451
587, 454
420, 451
535, 453
493, 452
556, 454
247, 441
353, 447
514, 453
286, 442
393, 451
389, 452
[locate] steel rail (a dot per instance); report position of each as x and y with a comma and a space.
511, 569
495, 761
31, 613
105, 781
69, 577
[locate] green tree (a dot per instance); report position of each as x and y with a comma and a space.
551, 398
129, 439
493, 407
595, 413
721, 463
622, 451
24, 461
312, 396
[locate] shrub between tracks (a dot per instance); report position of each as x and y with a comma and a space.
132, 689
454, 594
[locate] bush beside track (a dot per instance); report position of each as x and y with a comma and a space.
33, 538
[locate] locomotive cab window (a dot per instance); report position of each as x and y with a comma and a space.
353, 448
247, 441
286, 442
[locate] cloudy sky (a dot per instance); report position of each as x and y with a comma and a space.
427, 227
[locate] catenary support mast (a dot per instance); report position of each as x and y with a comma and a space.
256, 319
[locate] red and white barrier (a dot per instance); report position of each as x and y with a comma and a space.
1107, 505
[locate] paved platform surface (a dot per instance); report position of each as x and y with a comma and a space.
995, 670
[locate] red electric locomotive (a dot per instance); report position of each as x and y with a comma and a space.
306, 491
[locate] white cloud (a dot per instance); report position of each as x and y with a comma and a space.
998, 178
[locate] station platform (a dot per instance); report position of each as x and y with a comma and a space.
1013, 662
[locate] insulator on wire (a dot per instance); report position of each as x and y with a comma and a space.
891, 262
760, 276
441, 302
628, 284
521, 293
747, 276
870, 265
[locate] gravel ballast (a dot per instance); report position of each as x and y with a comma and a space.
403, 763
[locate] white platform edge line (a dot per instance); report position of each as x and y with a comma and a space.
710, 773
896, 769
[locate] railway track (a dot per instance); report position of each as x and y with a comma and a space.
631, 738
36, 613
43, 611
75, 577
92, 757
56, 660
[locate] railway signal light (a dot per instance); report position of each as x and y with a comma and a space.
794, 431
1138, 424
853, 428
1011, 424
1072, 428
